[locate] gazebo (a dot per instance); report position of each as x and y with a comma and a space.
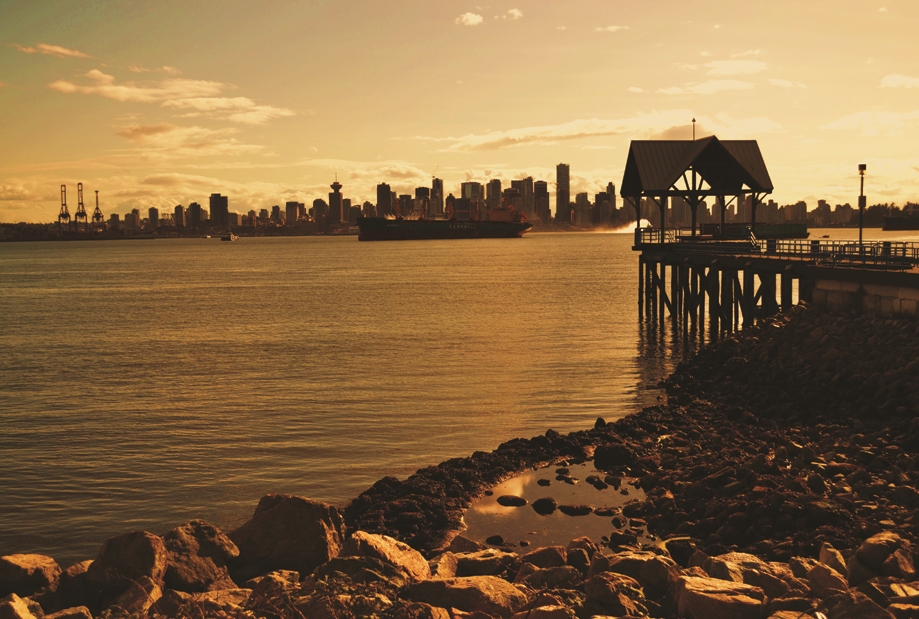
693, 170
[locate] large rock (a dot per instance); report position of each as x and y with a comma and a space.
712, 598
561, 577
649, 569
287, 533
14, 607
825, 581
616, 594
125, 559
389, 550
775, 579
75, 612
831, 557
550, 556
875, 550
852, 605
73, 590
198, 554
25, 574
486, 594
487, 562
139, 597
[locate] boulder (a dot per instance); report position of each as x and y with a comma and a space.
563, 577
125, 559
556, 611
484, 562
853, 605
711, 598
363, 570
443, 565
14, 607
388, 550
585, 543
420, 610
27, 574
900, 565
73, 589
76, 612
198, 554
609, 457
510, 500
649, 569
464, 544
616, 594
139, 597
549, 556
877, 548
544, 506
486, 594
825, 581
831, 557
287, 533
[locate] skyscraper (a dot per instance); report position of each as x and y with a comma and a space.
194, 216
562, 194
437, 196
220, 208
292, 213
525, 187
476, 193
541, 201
384, 200
180, 216
336, 214
493, 193
153, 217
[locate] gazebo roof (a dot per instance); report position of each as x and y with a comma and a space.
727, 167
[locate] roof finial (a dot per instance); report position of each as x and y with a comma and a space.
693, 129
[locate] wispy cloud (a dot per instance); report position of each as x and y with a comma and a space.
875, 123
513, 14
899, 81
635, 89
561, 27
236, 109
105, 86
611, 29
170, 141
52, 50
469, 19
749, 52
735, 67
707, 88
164, 69
785, 83
644, 125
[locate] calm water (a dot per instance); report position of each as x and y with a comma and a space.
144, 383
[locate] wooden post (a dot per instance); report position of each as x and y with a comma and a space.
786, 291
749, 296
641, 285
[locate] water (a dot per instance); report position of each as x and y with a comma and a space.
145, 383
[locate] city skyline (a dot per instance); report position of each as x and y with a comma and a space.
137, 103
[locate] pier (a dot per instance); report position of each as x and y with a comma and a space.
721, 281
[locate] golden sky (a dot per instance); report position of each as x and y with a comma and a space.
158, 103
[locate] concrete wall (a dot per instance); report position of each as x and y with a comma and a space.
863, 296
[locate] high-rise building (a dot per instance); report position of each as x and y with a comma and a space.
336, 211
437, 196
405, 204
384, 200
493, 193
179, 216
195, 219
562, 193
525, 187
541, 201
220, 207
422, 192
476, 193
582, 210
276, 213
153, 217
292, 213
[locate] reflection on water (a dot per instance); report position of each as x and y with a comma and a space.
486, 517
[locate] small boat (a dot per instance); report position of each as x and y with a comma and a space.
825, 236
229, 237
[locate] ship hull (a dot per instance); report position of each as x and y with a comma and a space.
381, 229
901, 223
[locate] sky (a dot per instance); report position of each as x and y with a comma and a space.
159, 103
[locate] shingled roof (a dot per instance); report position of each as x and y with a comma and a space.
728, 167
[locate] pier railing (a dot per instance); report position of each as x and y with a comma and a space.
877, 254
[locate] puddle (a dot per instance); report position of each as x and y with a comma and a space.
486, 517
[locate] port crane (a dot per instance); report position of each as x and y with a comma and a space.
81, 210
64, 215
98, 217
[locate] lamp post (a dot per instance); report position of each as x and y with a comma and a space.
861, 204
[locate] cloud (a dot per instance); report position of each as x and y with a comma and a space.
876, 123
469, 19
164, 69
611, 29
707, 88
561, 27
236, 109
635, 89
749, 52
105, 86
899, 81
686, 67
735, 67
514, 14
52, 50
170, 141
640, 125
785, 83
883, 9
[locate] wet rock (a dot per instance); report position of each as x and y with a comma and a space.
126, 559
486, 594
578, 559
389, 550
509, 500
487, 562
287, 532
544, 506
544, 482
575, 510
494, 540
443, 565
464, 544
609, 457
197, 560
27, 574
549, 556
584, 543
707, 598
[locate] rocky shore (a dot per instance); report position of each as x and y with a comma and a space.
780, 476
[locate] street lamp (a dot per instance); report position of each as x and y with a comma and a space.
861, 202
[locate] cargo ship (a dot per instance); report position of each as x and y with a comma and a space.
401, 229
902, 222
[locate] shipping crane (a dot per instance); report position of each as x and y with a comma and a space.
98, 217
64, 215
81, 210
